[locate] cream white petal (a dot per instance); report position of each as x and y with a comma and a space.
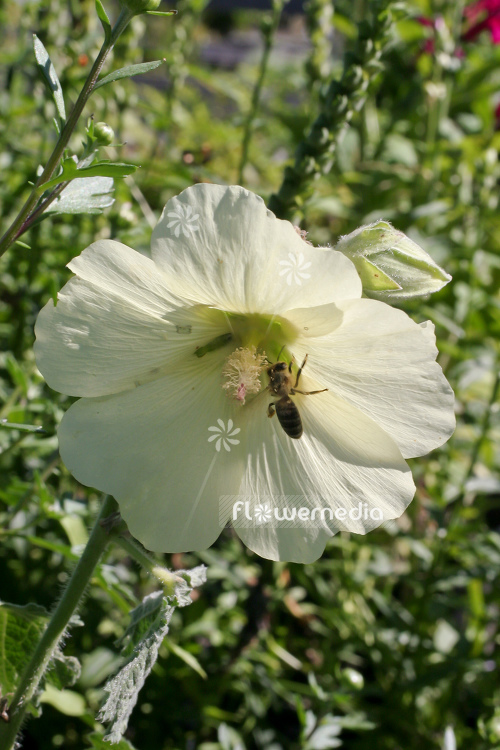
342, 460
383, 363
234, 252
150, 449
119, 271
301, 545
114, 326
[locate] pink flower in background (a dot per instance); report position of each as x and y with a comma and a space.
438, 27
483, 15
497, 117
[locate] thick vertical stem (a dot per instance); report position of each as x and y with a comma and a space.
58, 623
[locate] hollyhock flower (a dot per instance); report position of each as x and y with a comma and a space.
170, 356
483, 15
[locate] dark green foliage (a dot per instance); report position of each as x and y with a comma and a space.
388, 639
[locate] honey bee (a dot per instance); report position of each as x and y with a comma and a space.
280, 385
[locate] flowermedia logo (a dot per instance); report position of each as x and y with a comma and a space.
286, 512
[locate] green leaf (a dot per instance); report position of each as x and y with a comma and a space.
161, 12
21, 427
187, 658
148, 627
66, 701
89, 195
75, 529
103, 18
64, 671
50, 76
20, 630
70, 171
128, 72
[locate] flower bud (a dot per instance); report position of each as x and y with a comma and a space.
351, 678
103, 133
391, 266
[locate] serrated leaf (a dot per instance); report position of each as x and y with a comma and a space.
49, 73
89, 195
144, 621
148, 627
98, 742
64, 671
103, 169
187, 580
20, 630
128, 72
103, 18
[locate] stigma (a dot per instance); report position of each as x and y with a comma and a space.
241, 373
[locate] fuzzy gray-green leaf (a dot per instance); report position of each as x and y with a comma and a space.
89, 195
49, 73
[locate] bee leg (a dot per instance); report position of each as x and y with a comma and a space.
308, 393
271, 411
300, 371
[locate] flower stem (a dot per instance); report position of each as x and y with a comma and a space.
268, 32
135, 551
22, 221
68, 604
165, 576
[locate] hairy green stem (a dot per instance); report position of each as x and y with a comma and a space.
165, 576
136, 552
268, 32
23, 220
66, 608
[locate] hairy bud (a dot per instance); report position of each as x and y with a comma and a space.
391, 266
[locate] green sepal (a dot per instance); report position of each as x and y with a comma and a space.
372, 277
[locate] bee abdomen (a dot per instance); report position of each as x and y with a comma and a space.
289, 417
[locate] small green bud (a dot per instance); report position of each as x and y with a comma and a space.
141, 6
103, 133
352, 678
391, 266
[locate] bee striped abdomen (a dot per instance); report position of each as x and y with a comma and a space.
289, 417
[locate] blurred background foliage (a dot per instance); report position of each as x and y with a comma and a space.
389, 641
